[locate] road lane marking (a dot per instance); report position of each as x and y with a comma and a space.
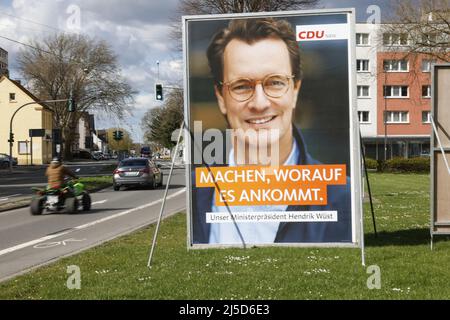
84, 226
47, 245
99, 202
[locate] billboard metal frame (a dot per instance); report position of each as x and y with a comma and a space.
355, 150
435, 149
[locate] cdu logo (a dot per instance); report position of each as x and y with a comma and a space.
321, 32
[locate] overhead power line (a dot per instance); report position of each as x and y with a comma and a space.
42, 50
31, 21
27, 45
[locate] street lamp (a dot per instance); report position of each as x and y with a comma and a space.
157, 64
11, 134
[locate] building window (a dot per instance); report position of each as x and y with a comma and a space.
362, 65
396, 65
426, 91
396, 117
430, 38
362, 39
363, 116
12, 97
396, 92
395, 39
426, 65
363, 92
426, 116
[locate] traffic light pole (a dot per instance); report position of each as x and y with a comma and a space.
11, 140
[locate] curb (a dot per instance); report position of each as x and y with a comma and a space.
22, 203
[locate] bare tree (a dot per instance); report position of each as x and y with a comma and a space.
199, 7
236, 6
74, 64
420, 27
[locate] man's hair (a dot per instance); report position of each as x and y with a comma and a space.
251, 31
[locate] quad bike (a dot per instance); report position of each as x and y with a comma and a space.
67, 198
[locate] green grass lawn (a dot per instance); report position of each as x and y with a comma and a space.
96, 183
409, 270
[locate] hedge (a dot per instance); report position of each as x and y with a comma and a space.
371, 163
418, 165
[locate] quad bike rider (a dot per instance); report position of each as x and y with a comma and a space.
60, 194
56, 174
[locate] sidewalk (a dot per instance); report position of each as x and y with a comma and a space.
22, 169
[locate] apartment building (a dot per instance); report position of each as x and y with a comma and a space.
366, 79
84, 133
393, 94
3, 62
404, 104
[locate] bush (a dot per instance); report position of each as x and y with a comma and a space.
371, 163
381, 166
408, 165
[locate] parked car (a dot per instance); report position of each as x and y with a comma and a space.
137, 172
97, 155
4, 161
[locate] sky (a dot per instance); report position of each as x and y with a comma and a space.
137, 30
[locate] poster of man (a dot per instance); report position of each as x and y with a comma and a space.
273, 136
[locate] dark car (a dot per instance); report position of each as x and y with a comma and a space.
4, 161
83, 154
137, 172
146, 152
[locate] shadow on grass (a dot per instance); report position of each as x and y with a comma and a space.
409, 237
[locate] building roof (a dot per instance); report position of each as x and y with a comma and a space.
25, 90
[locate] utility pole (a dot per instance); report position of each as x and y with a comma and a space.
157, 64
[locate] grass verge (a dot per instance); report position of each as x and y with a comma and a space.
409, 270
96, 183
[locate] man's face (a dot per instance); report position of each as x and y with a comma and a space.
260, 112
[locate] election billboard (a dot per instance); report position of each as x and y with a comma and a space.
272, 130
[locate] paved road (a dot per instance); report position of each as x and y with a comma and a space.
19, 182
28, 241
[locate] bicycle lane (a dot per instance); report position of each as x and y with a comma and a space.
26, 256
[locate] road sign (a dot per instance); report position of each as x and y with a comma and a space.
37, 133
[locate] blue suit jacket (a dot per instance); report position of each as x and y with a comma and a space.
339, 199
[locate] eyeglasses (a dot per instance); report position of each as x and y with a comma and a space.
274, 86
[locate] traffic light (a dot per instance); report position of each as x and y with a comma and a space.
56, 136
11, 137
118, 135
159, 92
71, 104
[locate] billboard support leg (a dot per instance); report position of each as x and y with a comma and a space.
165, 197
368, 188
